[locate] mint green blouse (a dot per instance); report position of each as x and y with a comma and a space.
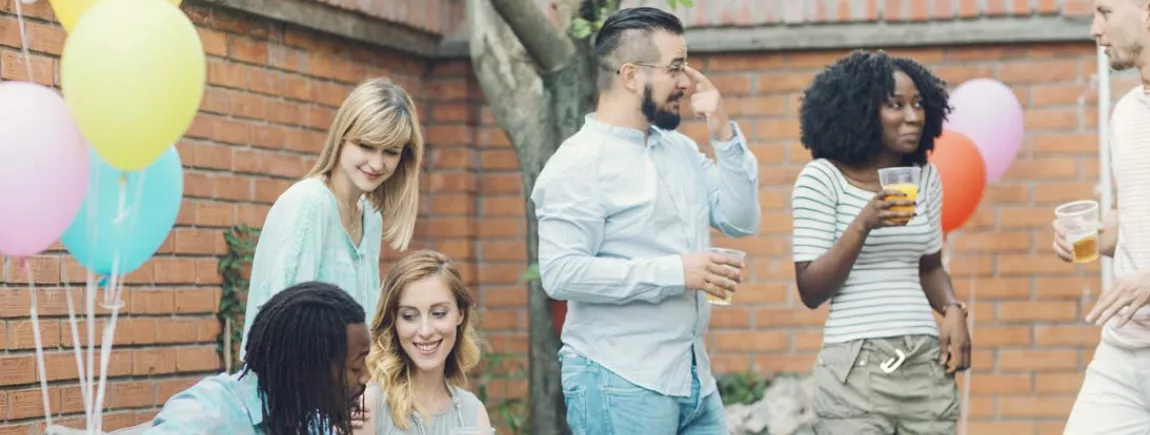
304, 240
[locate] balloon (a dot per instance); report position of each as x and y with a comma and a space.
989, 113
69, 11
151, 202
963, 173
43, 168
133, 73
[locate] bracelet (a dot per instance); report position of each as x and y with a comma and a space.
961, 307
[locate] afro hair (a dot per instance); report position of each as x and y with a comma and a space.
839, 117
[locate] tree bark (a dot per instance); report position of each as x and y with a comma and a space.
511, 41
514, 91
547, 45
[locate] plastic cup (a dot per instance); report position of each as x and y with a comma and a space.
738, 256
1080, 220
472, 431
904, 179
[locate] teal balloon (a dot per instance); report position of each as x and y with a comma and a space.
152, 199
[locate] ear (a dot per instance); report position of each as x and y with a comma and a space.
630, 77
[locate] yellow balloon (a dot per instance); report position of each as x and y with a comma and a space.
69, 11
133, 72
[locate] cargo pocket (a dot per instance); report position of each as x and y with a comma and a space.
841, 389
944, 399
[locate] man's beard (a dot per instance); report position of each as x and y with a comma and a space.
662, 118
1121, 61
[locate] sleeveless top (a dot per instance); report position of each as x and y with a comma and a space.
464, 412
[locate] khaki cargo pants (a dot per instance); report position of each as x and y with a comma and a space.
884, 386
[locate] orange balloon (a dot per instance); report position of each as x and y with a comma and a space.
963, 173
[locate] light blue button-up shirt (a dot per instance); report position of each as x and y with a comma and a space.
303, 239
221, 404
617, 209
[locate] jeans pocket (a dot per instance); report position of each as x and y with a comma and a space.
576, 401
841, 389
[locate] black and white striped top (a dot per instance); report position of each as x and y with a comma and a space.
882, 296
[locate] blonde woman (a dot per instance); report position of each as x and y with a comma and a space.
363, 190
423, 344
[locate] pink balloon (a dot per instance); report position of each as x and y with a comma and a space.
988, 112
43, 168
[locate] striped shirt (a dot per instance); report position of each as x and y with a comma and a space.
882, 295
1130, 162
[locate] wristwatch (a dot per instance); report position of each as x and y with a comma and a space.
961, 307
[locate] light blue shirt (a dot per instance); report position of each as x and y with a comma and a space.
221, 404
304, 240
615, 216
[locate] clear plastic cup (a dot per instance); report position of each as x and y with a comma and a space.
904, 179
1080, 221
739, 256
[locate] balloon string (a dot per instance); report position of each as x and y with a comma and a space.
24, 40
105, 356
112, 291
90, 305
76, 350
36, 339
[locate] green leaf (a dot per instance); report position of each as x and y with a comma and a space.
531, 274
580, 28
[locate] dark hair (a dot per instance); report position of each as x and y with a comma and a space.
626, 37
839, 111
295, 341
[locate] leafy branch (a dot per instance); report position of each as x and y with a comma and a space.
595, 13
241, 241
513, 411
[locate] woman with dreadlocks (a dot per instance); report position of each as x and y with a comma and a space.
305, 367
885, 366
424, 343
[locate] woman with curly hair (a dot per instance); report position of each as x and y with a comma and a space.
885, 366
423, 344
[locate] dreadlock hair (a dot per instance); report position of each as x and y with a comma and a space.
297, 347
626, 36
389, 364
839, 113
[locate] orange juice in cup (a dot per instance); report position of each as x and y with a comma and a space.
904, 179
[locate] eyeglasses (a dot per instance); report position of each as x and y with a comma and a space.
673, 69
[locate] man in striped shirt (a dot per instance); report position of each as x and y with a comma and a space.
1115, 394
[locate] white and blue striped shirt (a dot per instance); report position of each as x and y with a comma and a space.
882, 295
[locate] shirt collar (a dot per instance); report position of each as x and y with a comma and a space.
632, 135
247, 387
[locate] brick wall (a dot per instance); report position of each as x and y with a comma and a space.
272, 93
273, 90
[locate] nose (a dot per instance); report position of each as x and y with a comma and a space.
364, 378
1096, 29
425, 329
912, 115
376, 163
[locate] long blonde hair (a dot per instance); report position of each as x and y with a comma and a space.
390, 366
381, 114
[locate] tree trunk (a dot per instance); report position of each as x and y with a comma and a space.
538, 113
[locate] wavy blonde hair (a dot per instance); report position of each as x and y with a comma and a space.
390, 366
381, 114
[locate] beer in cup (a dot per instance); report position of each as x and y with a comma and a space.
738, 256
1079, 221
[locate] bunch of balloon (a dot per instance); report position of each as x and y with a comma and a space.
94, 166
980, 140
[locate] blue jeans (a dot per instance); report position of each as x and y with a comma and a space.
600, 402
